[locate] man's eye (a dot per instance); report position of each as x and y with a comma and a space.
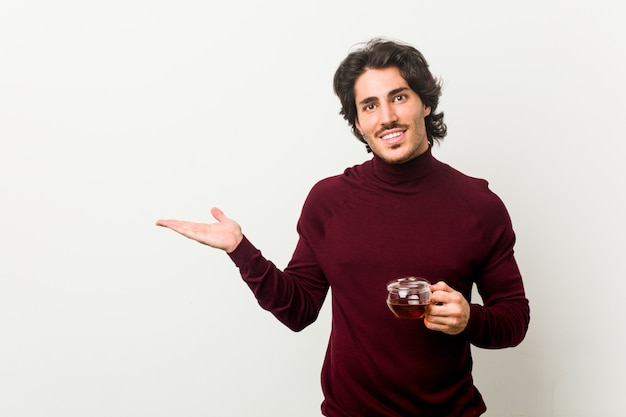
369, 107
400, 97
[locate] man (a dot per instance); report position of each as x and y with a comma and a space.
401, 213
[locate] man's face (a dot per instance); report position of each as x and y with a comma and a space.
390, 115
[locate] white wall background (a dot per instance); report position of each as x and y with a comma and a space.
114, 114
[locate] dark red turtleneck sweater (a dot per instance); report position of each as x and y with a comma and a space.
377, 222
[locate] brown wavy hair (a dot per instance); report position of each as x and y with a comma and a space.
380, 53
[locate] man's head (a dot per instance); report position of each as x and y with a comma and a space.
380, 54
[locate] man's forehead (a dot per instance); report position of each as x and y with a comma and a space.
379, 83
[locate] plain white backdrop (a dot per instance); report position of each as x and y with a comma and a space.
114, 114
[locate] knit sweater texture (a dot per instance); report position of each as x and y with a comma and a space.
377, 222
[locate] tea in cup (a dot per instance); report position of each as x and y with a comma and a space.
408, 297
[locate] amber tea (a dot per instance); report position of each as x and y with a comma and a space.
408, 311
408, 298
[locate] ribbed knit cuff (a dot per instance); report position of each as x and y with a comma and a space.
243, 252
475, 323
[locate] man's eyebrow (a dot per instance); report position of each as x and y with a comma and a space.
397, 90
390, 94
367, 100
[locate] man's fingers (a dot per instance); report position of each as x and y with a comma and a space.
441, 286
218, 214
179, 226
167, 223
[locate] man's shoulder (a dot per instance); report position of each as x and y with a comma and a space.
454, 175
326, 187
343, 180
474, 191
463, 181
331, 192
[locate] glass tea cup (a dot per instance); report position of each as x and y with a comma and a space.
408, 297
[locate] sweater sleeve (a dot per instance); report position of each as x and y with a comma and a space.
294, 296
503, 318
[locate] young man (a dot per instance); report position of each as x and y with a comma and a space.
401, 213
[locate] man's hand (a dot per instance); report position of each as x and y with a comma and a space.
225, 234
448, 312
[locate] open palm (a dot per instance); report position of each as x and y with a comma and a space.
225, 234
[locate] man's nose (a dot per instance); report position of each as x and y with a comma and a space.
388, 114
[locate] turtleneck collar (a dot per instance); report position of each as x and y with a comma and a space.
406, 172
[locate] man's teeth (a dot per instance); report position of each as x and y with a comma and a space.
391, 135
